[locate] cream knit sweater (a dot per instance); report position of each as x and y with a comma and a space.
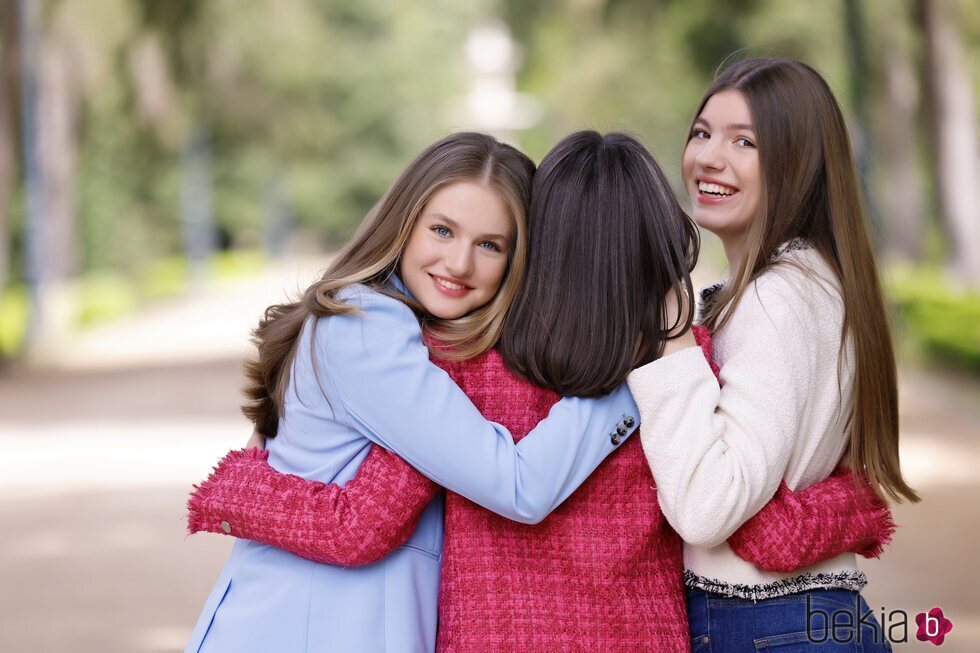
718, 454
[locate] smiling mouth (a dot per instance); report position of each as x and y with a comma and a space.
450, 287
714, 190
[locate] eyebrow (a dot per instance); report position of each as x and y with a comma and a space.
453, 223
735, 126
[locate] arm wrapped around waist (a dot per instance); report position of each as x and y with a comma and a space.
357, 524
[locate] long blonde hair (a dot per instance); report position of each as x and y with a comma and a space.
372, 256
811, 191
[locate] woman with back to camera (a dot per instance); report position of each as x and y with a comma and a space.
603, 572
802, 337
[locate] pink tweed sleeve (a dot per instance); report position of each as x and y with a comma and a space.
798, 529
373, 514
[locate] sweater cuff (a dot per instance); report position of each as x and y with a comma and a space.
664, 377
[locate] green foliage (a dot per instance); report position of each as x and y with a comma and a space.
13, 320
942, 319
164, 277
323, 101
236, 264
104, 296
311, 107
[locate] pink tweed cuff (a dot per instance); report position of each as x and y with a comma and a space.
359, 523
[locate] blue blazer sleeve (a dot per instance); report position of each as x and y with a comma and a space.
378, 367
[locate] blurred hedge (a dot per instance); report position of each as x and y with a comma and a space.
941, 318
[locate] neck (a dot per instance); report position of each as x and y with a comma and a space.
734, 249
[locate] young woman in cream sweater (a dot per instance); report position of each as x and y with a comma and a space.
802, 338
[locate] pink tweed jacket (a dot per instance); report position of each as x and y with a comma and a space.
602, 573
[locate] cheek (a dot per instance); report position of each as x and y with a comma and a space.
493, 274
687, 165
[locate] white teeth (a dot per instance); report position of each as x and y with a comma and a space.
449, 284
714, 189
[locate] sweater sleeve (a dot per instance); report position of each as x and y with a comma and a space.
799, 529
720, 453
359, 523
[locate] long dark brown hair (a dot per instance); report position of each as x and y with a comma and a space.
811, 191
607, 240
372, 256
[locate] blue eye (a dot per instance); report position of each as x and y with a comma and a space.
489, 244
441, 230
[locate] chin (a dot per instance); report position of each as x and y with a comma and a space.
447, 313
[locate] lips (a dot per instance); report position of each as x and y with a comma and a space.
712, 191
448, 286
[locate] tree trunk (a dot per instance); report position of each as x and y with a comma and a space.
58, 103
901, 196
953, 134
861, 133
8, 137
58, 108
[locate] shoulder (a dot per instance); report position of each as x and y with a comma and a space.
378, 317
372, 304
797, 282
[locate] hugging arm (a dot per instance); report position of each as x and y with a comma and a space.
359, 523
387, 389
799, 529
355, 524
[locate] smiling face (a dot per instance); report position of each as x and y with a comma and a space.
457, 253
721, 168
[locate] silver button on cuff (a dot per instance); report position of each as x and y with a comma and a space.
226, 527
629, 421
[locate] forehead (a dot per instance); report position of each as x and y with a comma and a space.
725, 108
472, 205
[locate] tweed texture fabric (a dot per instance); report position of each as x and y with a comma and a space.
601, 573
375, 512
850, 516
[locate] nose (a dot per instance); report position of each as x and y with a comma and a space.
459, 260
710, 155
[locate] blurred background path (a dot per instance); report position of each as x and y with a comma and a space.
97, 455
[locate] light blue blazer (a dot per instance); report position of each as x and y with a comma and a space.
366, 379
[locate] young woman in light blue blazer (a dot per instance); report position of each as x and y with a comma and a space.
346, 367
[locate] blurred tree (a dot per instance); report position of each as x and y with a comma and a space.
9, 99
902, 206
860, 73
952, 121
59, 105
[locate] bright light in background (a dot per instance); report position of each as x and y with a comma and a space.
494, 105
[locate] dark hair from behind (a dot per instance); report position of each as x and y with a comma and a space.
607, 240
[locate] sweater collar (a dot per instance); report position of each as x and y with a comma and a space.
709, 294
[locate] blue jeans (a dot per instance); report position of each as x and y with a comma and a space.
827, 621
